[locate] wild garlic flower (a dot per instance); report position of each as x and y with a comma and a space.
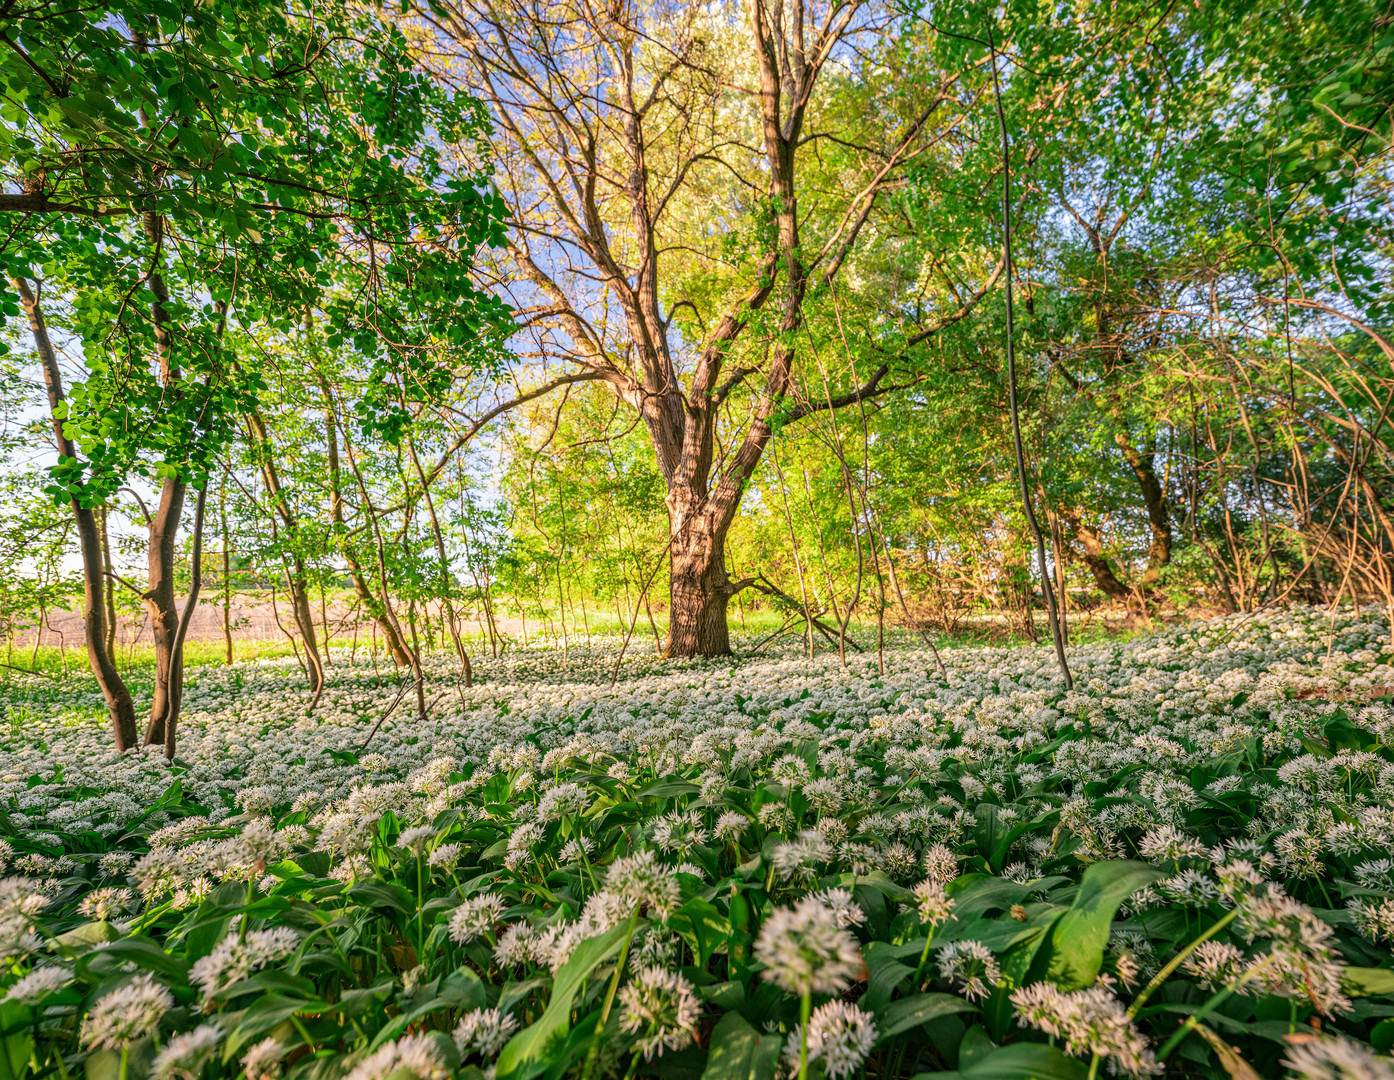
1303, 962
354, 868
806, 951
263, 1060
416, 839
940, 863
643, 880
1337, 1058
678, 832
577, 850
842, 904
515, 945
105, 904
1373, 919
416, 1055
115, 862
1166, 842
800, 858
231, 960
775, 816
484, 1032
654, 949
444, 857
128, 1013
970, 967
185, 1054
825, 795
840, 1035
246, 856
38, 984
1214, 964
730, 825
1091, 1021
661, 1007
934, 905
563, 800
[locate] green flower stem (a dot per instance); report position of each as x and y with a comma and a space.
594, 1051
805, 1009
246, 918
924, 958
1175, 962
300, 1027
1193, 1021
420, 910
1094, 1066
125, 1060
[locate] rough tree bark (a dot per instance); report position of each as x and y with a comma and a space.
120, 706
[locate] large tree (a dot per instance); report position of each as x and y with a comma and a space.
684, 181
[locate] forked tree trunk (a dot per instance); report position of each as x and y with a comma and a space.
1095, 558
164, 615
119, 705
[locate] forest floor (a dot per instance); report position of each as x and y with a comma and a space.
482, 863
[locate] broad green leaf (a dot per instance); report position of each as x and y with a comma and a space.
886, 970
1368, 982
524, 1056
739, 1052
910, 1012
1077, 941
265, 1014
1026, 1061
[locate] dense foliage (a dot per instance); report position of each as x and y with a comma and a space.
782, 868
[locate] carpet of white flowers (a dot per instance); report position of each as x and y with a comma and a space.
739, 870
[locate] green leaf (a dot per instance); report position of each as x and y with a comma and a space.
667, 787
91, 933
700, 923
739, 1052
144, 953
264, 1015
462, 989
900, 1016
1076, 942
1368, 982
524, 1056
885, 970
379, 896
1026, 1061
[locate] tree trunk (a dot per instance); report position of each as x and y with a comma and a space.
160, 606
1143, 464
114, 690
305, 624
227, 574
1091, 542
698, 586
109, 580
